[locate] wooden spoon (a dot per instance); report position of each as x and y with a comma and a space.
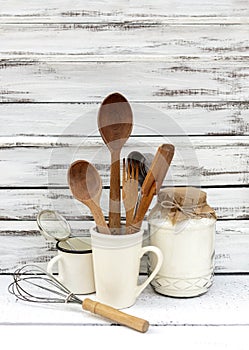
86, 186
115, 123
153, 182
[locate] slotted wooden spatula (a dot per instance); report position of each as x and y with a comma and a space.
153, 182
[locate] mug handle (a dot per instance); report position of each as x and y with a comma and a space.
159, 255
50, 265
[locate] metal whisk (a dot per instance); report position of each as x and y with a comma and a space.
33, 284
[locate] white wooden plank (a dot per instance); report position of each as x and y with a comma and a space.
37, 40
24, 250
226, 303
111, 11
222, 118
24, 204
189, 7
232, 246
21, 242
182, 80
44, 161
30, 229
208, 337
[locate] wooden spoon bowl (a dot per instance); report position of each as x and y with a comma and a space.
115, 121
84, 181
86, 186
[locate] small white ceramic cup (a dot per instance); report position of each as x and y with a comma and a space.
116, 261
75, 266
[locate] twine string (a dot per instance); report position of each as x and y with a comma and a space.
186, 210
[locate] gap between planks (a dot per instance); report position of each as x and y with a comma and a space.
147, 21
20, 58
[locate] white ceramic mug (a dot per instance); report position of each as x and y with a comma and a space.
75, 266
116, 261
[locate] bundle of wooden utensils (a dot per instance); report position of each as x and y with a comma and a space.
115, 122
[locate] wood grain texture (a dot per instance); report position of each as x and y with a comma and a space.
33, 41
172, 80
115, 315
184, 67
24, 204
219, 337
160, 11
199, 161
170, 118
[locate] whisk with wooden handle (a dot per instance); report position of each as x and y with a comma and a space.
32, 283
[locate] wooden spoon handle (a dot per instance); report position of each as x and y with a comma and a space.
115, 315
98, 217
114, 204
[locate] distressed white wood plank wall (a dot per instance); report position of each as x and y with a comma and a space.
183, 65
61, 11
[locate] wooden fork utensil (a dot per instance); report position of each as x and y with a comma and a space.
130, 189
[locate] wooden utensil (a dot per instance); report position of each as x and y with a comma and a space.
86, 186
153, 181
144, 161
109, 312
115, 122
130, 189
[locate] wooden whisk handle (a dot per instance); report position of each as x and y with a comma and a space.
115, 315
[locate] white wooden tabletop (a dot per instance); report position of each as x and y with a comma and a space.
226, 303
216, 319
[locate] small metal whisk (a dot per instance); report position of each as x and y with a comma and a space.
34, 284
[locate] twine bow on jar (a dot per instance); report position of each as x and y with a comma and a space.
181, 203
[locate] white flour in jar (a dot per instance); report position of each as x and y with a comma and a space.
188, 250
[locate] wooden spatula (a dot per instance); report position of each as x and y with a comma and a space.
153, 182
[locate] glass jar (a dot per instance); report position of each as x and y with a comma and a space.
182, 225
